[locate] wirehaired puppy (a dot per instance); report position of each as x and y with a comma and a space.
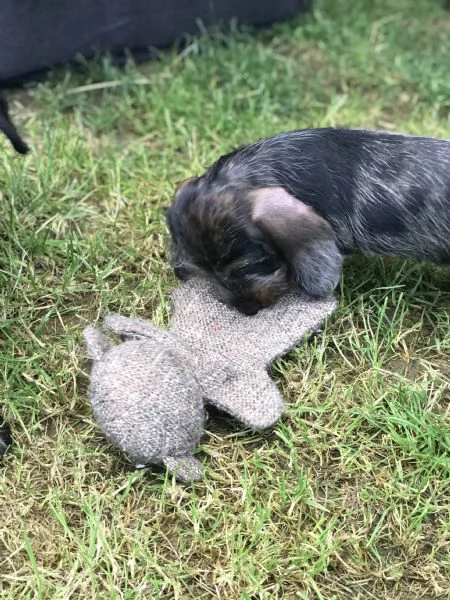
9, 129
283, 212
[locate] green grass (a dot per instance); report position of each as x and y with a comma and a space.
349, 495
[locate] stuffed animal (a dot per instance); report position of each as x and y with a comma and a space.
149, 393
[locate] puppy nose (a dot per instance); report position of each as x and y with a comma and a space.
180, 273
248, 307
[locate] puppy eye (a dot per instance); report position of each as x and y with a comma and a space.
262, 268
245, 270
268, 248
267, 268
263, 243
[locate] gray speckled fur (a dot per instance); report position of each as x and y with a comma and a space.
148, 393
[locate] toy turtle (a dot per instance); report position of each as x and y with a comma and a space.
149, 393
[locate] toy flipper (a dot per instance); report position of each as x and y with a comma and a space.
201, 318
254, 401
278, 329
95, 341
132, 328
184, 468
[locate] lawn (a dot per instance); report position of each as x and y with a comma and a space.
349, 495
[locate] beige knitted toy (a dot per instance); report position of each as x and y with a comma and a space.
148, 393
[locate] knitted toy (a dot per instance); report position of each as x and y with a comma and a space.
149, 393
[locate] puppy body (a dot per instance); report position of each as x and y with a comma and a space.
282, 212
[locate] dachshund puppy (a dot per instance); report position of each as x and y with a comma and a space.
8, 128
283, 212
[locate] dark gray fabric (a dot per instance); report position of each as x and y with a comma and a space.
38, 34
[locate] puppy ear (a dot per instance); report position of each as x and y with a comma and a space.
304, 238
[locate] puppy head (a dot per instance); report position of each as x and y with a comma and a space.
256, 244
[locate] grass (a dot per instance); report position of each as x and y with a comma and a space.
349, 495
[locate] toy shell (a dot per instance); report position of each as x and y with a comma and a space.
147, 402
